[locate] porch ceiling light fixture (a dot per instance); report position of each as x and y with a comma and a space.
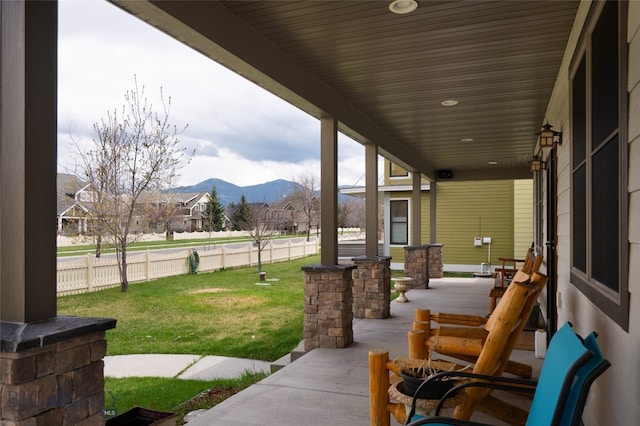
537, 164
549, 137
449, 103
402, 7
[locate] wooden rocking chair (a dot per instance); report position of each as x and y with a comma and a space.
569, 369
463, 336
492, 352
504, 275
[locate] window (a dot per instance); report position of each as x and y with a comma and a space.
397, 171
599, 250
400, 222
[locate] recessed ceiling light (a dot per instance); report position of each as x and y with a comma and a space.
492, 163
467, 140
449, 103
403, 6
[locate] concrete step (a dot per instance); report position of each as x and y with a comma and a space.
298, 351
295, 354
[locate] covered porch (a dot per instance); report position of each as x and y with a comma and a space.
331, 386
454, 90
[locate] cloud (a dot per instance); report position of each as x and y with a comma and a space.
238, 131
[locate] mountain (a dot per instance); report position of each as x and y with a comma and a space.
230, 193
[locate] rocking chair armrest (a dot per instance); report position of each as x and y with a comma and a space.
495, 382
498, 385
451, 421
514, 381
458, 319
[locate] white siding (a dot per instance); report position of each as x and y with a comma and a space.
614, 397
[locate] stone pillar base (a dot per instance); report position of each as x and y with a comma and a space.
416, 266
436, 267
328, 306
372, 287
51, 372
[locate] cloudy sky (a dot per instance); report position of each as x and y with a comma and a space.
240, 132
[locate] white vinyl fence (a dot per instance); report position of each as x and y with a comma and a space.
66, 241
88, 273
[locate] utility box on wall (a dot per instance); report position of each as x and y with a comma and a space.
477, 242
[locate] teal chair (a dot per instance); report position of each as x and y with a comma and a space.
570, 367
574, 406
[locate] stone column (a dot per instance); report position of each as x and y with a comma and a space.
416, 266
51, 372
436, 267
372, 287
328, 306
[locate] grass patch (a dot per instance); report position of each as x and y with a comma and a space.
220, 313
170, 394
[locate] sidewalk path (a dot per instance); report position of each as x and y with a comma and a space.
194, 367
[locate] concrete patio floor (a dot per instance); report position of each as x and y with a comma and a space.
331, 386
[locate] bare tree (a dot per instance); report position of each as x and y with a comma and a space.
133, 152
306, 200
262, 227
351, 213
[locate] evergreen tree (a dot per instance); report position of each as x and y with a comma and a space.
213, 215
241, 219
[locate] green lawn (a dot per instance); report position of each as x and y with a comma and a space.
170, 395
226, 313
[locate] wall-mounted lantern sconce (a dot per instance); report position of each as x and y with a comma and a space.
537, 164
549, 137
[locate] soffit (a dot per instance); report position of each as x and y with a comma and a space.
383, 76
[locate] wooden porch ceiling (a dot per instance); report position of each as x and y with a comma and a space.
384, 76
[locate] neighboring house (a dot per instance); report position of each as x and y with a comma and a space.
499, 210
284, 215
70, 212
292, 215
172, 212
182, 212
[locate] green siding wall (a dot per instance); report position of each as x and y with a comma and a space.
475, 209
522, 216
502, 210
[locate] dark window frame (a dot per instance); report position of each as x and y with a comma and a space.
394, 171
614, 302
392, 234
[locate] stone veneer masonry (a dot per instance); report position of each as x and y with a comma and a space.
372, 287
328, 306
423, 262
436, 267
51, 372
